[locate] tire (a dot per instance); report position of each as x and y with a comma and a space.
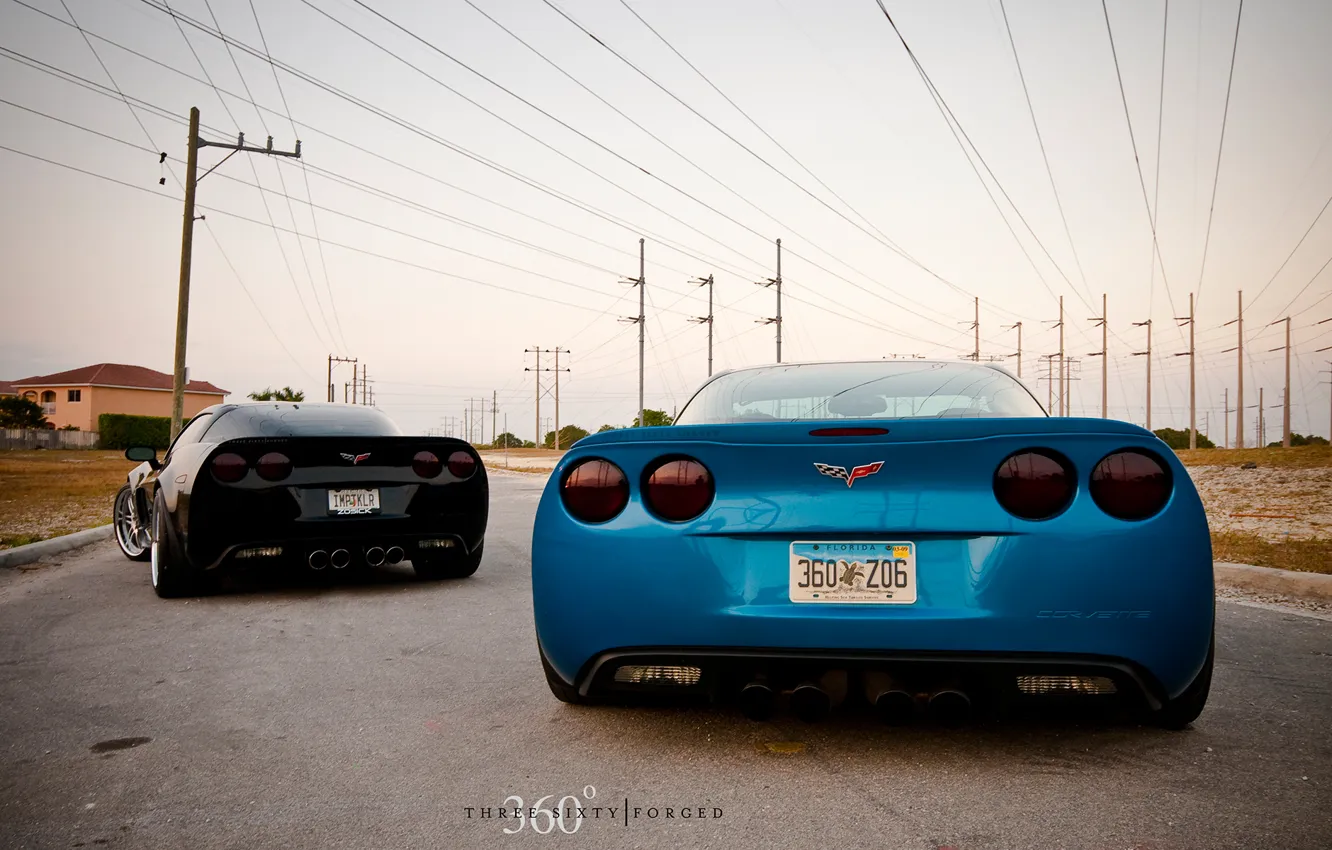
1179, 712
449, 566
172, 574
135, 540
563, 691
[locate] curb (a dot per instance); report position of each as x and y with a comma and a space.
34, 551
1273, 581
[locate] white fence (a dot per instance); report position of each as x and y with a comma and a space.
43, 438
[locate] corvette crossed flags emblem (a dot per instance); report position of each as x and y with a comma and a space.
355, 459
856, 472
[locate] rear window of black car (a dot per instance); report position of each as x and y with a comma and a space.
301, 420
889, 389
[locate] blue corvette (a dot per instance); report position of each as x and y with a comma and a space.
918, 534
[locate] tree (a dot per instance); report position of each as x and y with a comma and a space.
17, 412
1301, 440
507, 440
284, 394
653, 417
528, 444
1177, 438
569, 435
605, 428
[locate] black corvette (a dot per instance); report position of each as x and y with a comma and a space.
326, 486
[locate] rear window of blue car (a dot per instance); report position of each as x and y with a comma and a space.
890, 389
301, 420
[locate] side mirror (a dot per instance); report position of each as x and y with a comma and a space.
142, 454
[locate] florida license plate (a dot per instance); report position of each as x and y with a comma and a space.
853, 571
349, 502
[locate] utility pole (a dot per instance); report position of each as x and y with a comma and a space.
355, 384
1239, 391
641, 321
365, 385
1018, 325
1329, 387
1262, 422
494, 406
331, 361
557, 394
1148, 354
187, 249
1063, 388
1225, 417
537, 370
1101, 321
1193, 409
974, 326
1285, 403
706, 320
775, 281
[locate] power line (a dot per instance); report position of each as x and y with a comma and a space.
1216, 177
1041, 143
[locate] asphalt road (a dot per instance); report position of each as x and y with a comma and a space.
372, 715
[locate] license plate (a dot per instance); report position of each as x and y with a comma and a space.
853, 571
348, 502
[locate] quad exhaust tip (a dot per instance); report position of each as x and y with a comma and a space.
758, 701
339, 559
949, 707
394, 555
374, 556
893, 702
810, 702
318, 559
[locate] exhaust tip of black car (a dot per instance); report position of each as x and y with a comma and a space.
318, 559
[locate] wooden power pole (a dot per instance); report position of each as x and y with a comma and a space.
187, 249
1102, 322
1148, 354
706, 320
1193, 404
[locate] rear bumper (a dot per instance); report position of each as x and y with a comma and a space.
1141, 599
725, 670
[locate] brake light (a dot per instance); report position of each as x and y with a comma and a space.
273, 466
229, 468
848, 432
1034, 484
461, 465
679, 490
595, 490
426, 464
1132, 484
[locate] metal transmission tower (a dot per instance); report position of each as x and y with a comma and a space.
331, 361
1018, 325
1193, 398
557, 351
1285, 402
1102, 322
187, 247
1148, 354
777, 320
706, 320
640, 320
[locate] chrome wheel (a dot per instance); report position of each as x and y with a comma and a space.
132, 537
153, 559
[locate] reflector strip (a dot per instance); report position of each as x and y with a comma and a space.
637, 674
260, 552
1045, 685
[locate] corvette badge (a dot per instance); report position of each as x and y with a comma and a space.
355, 459
840, 472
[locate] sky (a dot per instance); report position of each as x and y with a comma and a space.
466, 193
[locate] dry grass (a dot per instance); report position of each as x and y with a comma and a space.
1296, 457
47, 493
1310, 556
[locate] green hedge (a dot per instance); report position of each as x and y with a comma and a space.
120, 431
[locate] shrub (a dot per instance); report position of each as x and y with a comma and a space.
121, 430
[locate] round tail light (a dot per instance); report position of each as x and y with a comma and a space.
273, 466
229, 468
679, 490
426, 464
1131, 484
1034, 484
595, 490
461, 465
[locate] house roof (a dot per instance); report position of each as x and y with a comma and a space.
117, 375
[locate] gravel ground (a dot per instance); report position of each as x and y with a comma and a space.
1292, 503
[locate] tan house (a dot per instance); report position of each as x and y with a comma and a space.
79, 396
